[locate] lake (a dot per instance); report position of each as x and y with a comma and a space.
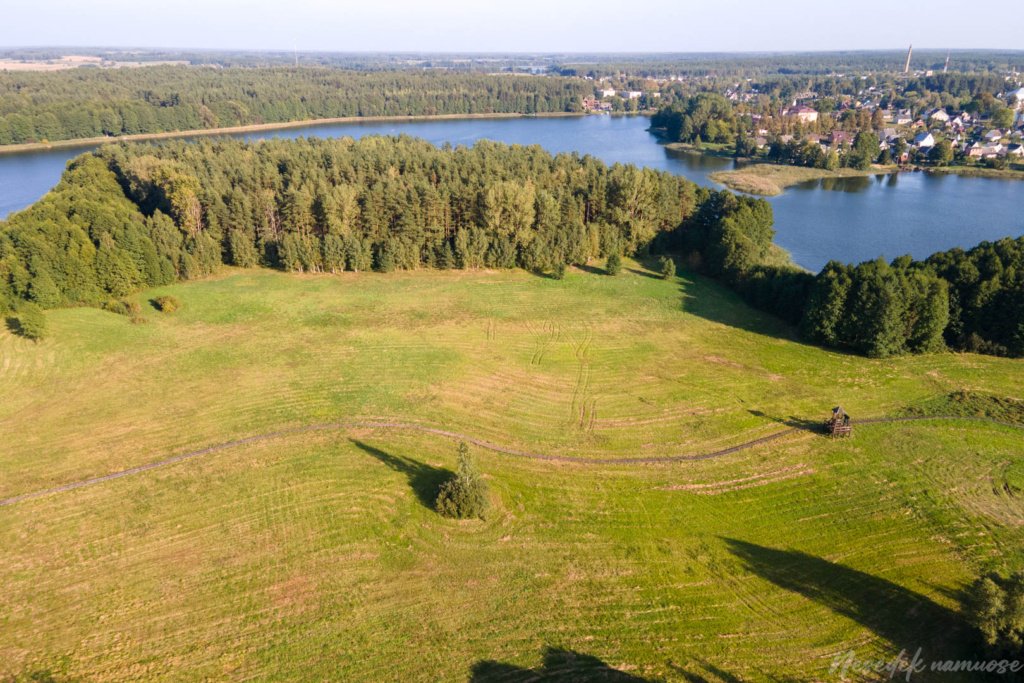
849, 219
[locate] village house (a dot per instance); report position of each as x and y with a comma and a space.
802, 113
903, 118
981, 151
607, 92
630, 94
594, 104
938, 116
994, 135
923, 140
888, 135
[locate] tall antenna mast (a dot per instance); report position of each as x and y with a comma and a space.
906, 67
945, 68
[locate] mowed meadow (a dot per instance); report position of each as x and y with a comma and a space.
316, 555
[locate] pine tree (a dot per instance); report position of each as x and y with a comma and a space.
614, 264
668, 268
465, 495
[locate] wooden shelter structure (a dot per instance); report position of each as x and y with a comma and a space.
839, 424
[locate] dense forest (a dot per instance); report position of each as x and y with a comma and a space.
132, 216
82, 103
597, 64
754, 65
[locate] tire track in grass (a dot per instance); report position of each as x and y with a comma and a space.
481, 443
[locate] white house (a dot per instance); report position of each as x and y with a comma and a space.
980, 151
925, 139
607, 92
939, 116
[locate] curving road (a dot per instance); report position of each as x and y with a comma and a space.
412, 427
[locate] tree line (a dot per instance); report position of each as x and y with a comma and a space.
83, 103
138, 215
132, 216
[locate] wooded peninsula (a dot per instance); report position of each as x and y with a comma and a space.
140, 215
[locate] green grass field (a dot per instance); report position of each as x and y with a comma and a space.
316, 556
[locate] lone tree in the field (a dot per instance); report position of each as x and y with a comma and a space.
464, 496
668, 268
614, 264
995, 606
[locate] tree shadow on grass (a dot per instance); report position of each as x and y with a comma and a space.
713, 301
560, 665
425, 480
702, 671
904, 618
816, 426
645, 273
593, 270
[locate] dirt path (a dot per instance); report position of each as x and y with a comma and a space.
423, 429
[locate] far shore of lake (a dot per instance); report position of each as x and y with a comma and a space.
260, 127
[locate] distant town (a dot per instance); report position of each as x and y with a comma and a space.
910, 126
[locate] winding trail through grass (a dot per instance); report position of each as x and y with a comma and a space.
424, 429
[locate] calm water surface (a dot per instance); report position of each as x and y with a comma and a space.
850, 219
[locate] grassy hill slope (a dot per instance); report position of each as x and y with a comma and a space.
316, 556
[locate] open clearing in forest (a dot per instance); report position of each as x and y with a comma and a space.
317, 556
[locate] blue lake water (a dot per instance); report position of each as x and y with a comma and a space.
850, 219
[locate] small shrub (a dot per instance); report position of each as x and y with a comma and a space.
125, 307
558, 272
668, 268
614, 264
166, 304
29, 322
464, 496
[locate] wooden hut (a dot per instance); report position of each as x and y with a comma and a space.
839, 424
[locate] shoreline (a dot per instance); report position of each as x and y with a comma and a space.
26, 147
977, 172
770, 180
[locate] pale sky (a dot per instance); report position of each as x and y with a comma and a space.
514, 25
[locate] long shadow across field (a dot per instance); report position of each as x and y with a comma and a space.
559, 665
792, 421
425, 480
905, 618
705, 298
703, 671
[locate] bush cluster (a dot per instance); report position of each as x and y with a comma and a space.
166, 304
